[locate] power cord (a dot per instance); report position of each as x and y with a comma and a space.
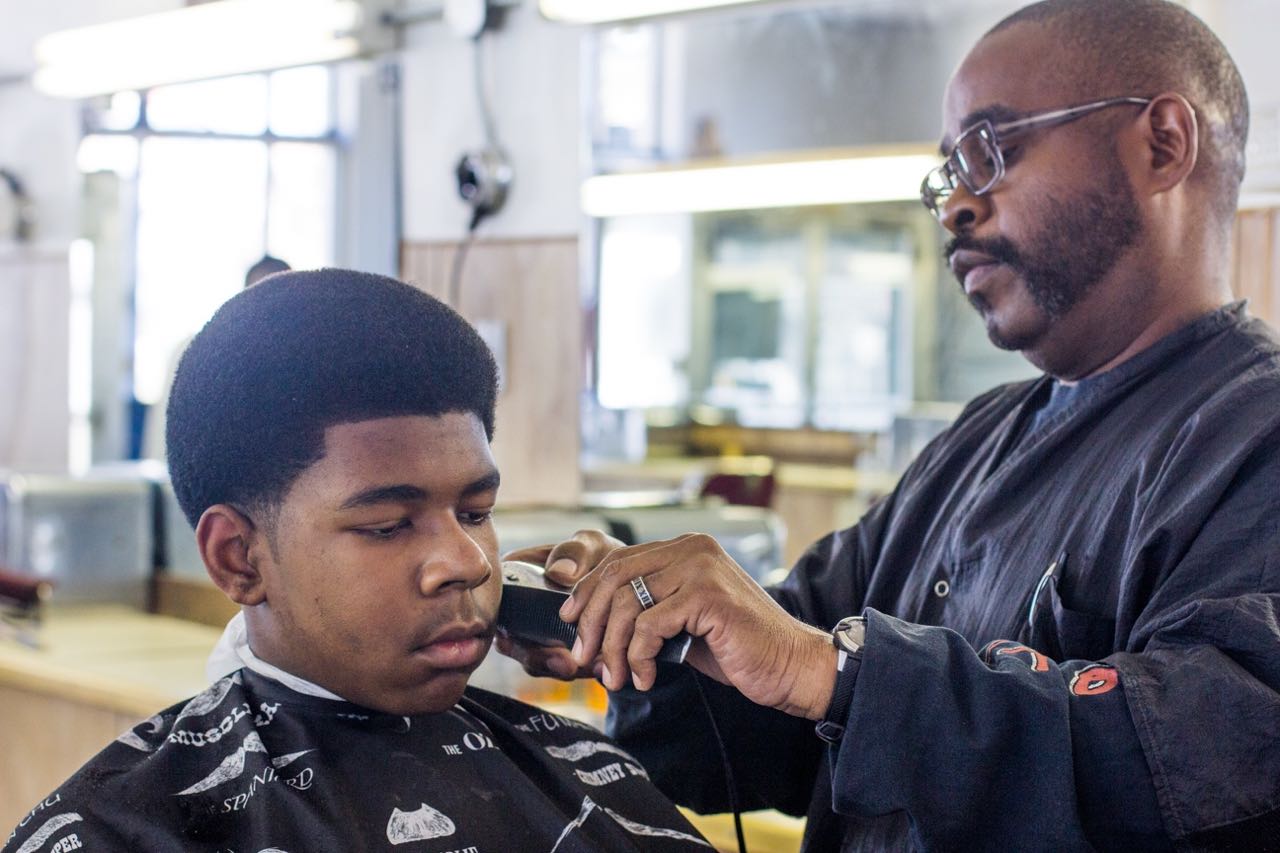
483, 175
729, 782
459, 260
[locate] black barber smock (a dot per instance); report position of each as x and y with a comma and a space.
1073, 633
251, 766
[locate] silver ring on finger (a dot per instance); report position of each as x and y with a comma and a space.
642, 593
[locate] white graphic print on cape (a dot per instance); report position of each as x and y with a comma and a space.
233, 765
585, 749
44, 833
198, 706
631, 826
418, 825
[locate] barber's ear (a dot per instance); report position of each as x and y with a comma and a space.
229, 541
1171, 133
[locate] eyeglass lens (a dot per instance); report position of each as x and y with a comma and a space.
975, 162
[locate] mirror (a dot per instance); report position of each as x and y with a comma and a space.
824, 317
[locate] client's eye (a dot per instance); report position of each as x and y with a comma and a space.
475, 519
384, 532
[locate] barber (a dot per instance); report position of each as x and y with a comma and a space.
1061, 631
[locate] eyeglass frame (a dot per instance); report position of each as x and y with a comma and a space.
991, 134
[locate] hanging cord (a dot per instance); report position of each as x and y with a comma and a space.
491, 141
482, 94
459, 260
724, 759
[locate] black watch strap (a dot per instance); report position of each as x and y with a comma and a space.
831, 727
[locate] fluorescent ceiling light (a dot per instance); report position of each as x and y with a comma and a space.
601, 11
205, 41
794, 183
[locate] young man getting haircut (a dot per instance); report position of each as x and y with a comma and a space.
328, 437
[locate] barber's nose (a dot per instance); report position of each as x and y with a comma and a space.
455, 560
963, 211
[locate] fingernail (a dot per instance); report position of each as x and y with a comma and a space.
577, 650
563, 566
605, 677
566, 607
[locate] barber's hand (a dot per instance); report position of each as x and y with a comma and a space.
743, 637
572, 559
565, 564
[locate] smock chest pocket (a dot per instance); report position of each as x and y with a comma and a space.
1063, 632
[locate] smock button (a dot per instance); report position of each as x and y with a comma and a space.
942, 589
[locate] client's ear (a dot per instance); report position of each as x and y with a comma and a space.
226, 539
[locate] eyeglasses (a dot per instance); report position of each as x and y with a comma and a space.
977, 161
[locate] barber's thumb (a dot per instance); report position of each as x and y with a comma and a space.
563, 571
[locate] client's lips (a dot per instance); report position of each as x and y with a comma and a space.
457, 646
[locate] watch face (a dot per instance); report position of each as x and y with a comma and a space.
850, 634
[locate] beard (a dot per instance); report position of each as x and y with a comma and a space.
1079, 241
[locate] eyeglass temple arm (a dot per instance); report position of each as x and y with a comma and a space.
1065, 114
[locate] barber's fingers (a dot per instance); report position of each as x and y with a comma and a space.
622, 616
596, 597
592, 599
654, 627
544, 661
577, 556
614, 569
568, 561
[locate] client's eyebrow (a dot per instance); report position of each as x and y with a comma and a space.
404, 493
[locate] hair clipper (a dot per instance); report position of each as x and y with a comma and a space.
530, 611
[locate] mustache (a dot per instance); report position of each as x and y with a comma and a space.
999, 249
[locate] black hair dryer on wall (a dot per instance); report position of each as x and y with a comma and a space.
484, 176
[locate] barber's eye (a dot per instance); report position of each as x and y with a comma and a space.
385, 532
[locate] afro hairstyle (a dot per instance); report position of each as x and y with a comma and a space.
299, 352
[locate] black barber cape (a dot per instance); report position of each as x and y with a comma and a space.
251, 766
1073, 634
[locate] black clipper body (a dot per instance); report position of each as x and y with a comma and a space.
530, 611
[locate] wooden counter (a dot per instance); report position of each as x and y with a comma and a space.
99, 670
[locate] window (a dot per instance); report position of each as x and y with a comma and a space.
211, 176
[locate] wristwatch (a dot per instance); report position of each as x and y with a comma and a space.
848, 637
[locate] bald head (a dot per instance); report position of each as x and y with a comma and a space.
1146, 47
